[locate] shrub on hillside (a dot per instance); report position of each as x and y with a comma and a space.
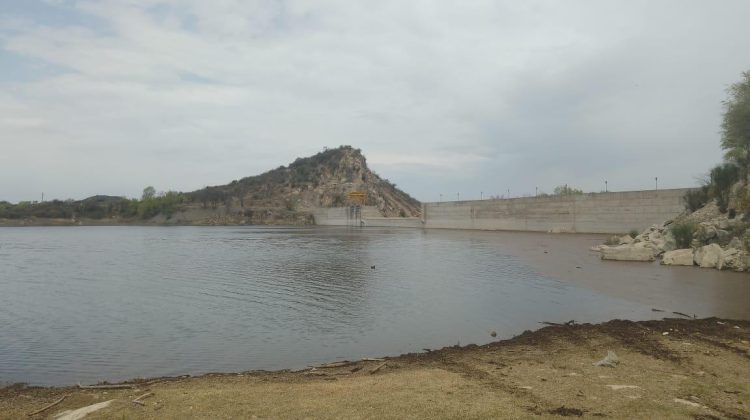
683, 234
697, 198
722, 178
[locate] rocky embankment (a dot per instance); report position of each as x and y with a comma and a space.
716, 241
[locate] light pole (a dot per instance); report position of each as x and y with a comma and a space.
656, 179
605, 186
458, 196
441, 197
481, 195
536, 191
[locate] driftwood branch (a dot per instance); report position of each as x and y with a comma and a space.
47, 407
138, 401
335, 364
380, 366
107, 386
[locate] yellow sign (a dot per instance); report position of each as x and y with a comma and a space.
357, 196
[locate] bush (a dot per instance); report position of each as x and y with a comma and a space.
612, 241
633, 233
567, 190
683, 234
722, 178
695, 199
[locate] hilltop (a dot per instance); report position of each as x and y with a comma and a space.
285, 195
322, 180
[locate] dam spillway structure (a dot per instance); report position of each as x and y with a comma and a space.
355, 199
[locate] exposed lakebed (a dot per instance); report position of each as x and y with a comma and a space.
86, 304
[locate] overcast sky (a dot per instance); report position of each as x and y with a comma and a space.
106, 97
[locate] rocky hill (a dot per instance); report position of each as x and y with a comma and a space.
285, 195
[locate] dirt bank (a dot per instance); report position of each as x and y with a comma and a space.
667, 369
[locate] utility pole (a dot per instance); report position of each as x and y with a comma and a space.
441, 197
481, 195
536, 191
605, 186
42, 197
656, 179
458, 196
508, 192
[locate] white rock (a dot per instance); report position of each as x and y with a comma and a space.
624, 240
627, 253
732, 259
669, 242
81, 412
678, 257
619, 387
735, 243
686, 402
708, 256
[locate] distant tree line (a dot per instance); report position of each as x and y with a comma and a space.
97, 207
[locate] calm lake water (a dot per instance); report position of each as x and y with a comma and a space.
87, 304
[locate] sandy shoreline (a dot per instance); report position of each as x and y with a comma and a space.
698, 369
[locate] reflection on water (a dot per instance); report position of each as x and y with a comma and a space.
112, 303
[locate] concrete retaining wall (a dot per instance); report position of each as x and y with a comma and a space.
615, 212
369, 216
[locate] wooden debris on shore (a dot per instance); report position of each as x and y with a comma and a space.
314, 373
138, 399
48, 406
107, 386
377, 369
335, 364
372, 359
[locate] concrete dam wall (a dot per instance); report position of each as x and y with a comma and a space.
612, 212
368, 216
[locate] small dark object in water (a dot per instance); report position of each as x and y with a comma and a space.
493, 334
578, 266
372, 267
657, 310
546, 252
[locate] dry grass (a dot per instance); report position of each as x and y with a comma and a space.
699, 370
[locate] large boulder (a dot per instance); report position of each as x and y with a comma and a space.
669, 242
733, 259
736, 243
628, 253
678, 257
708, 256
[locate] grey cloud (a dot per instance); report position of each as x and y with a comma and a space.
442, 97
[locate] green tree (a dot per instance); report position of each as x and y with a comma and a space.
567, 190
722, 178
148, 192
735, 127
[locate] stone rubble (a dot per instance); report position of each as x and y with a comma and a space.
718, 242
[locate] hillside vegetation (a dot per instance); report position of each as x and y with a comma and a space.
285, 195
